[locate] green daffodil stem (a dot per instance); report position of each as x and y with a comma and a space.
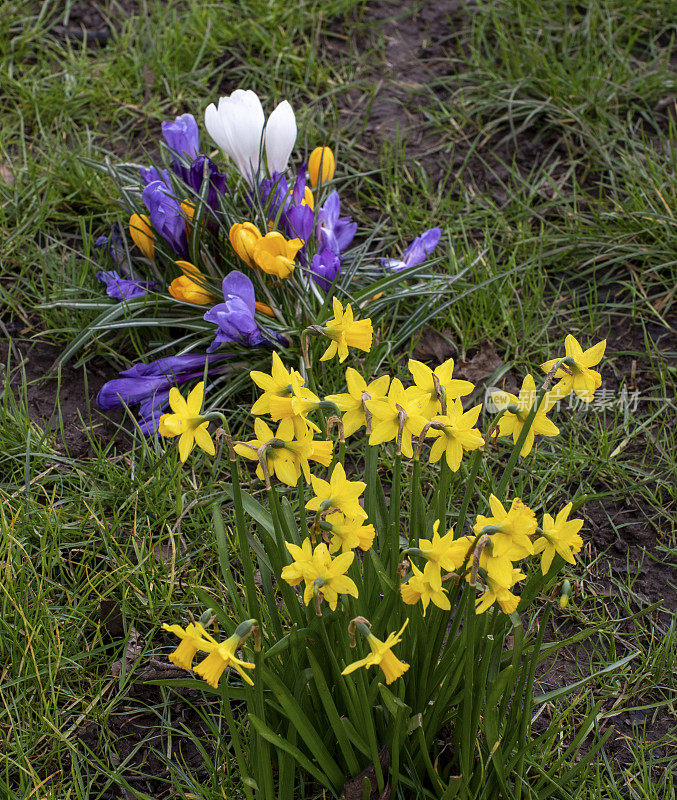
443, 494
243, 541
475, 462
234, 731
417, 517
394, 517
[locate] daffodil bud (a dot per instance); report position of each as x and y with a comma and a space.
566, 593
142, 234
321, 166
243, 237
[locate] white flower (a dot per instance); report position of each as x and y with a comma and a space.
237, 127
280, 137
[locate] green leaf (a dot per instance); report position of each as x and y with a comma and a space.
555, 694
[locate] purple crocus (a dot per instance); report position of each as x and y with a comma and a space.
274, 193
324, 268
298, 222
416, 253
333, 231
151, 174
120, 288
235, 316
195, 175
149, 385
182, 136
113, 244
166, 216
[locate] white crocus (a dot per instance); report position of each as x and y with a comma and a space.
237, 128
280, 137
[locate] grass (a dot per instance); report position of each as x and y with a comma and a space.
576, 234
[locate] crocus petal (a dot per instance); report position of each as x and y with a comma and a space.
280, 137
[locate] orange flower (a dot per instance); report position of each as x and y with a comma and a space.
142, 234
190, 287
243, 236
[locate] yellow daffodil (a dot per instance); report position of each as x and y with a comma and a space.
346, 332
511, 424
459, 434
222, 655
277, 384
276, 255
498, 593
303, 448
338, 493
445, 551
191, 639
425, 586
386, 413
243, 237
578, 377
322, 574
186, 422
514, 528
296, 406
142, 234
279, 460
433, 382
560, 535
352, 402
348, 533
301, 565
190, 287
321, 166
382, 656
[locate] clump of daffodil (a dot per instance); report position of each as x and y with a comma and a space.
321, 166
345, 332
381, 655
279, 383
243, 237
559, 535
425, 586
347, 532
276, 255
439, 384
576, 374
512, 421
142, 234
512, 528
338, 493
190, 287
398, 416
186, 422
296, 406
456, 433
352, 403
324, 576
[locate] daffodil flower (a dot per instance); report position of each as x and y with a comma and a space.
444, 551
578, 376
496, 592
279, 460
187, 422
511, 423
344, 332
277, 384
382, 656
222, 655
387, 412
296, 406
352, 402
339, 493
322, 574
425, 586
458, 434
560, 535
438, 381
348, 533
191, 639
514, 527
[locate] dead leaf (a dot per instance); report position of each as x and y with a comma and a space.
434, 346
480, 366
132, 652
6, 174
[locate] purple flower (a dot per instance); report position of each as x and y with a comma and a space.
150, 174
194, 176
274, 193
298, 222
112, 244
182, 136
121, 288
166, 216
324, 268
235, 316
149, 385
333, 231
416, 253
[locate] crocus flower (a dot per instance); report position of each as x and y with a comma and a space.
321, 166
201, 169
182, 136
324, 268
299, 222
235, 316
243, 236
120, 288
166, 215
416, 253
150, 174
142, 234
190, 287
112, 244
275, 255
333, 230
280, 137
149, 385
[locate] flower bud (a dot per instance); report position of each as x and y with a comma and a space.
142, 234
321, 166
243, 237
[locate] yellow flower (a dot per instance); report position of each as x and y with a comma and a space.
322, 574
275, 255
279, 460
560, 535
444, 551
338, 493
349, 532
302, 564
425, 586
459, 434
277, 384
243, 237
186, 422
498, 593
382, 656
222, 655
321, 166
352, 402
142, 234
264, 308
514, 528
346, 332
191, 640
582, 380
304, 448
511, 424
296, 406
386, 413
190, 287
429, 380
